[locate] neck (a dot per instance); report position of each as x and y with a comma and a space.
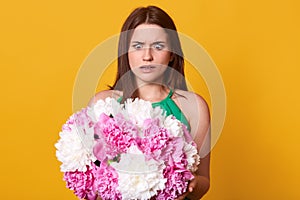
152, 92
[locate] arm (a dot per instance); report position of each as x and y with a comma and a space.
199, 186
200, 130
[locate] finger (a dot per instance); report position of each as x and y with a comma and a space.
192, 185
181, 197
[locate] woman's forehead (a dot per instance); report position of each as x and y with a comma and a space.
149, 32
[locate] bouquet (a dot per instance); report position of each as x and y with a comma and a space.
126, 151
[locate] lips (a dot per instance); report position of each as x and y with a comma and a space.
147, 68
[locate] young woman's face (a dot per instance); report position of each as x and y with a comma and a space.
149, 53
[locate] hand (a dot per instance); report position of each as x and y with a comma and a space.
191, 186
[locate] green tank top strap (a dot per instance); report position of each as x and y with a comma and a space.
170, 108
119, 99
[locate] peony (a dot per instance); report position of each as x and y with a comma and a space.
138, 111
192, 156
75, 146
177, 180
81, 183
139, 178
154, 137
114, 135
106, 182
174, 126
140, 186
109, 106
176, 171
141, 153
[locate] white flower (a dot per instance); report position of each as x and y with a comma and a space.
140, 186
192, 156
174, 126
75, 148
138, 110
138, 178
159, 113
133, 149
107, 106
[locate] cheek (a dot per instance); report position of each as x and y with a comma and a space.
133, 59
164, 58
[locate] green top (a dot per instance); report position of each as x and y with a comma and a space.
170, 108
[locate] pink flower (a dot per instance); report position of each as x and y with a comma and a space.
75, 146
154, 137
106, 182
173, 151
119, 138
176, 171
116, 134
177, 181
81, 183
80, 118
187, 134
103, 151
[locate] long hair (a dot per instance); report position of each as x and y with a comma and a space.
174, 75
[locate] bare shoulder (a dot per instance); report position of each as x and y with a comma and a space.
197, 112
192, 99
103, 95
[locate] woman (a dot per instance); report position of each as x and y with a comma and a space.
150, 67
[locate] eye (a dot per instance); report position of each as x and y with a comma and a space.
137, 46
159, 46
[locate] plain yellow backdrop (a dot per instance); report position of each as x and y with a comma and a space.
255, 45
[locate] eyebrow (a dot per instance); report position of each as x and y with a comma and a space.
156, 42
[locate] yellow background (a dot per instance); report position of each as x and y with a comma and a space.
255, 45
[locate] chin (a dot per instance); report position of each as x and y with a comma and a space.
148, 80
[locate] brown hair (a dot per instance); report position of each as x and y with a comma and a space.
148, 15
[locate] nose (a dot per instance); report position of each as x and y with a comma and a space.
147, 54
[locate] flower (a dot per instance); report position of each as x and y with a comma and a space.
75, 146
81, 183
109, 106
154, 137
192, 156
140, 186
106, 182
177, 180
176, 171
138, 110
115, 135
139, 178
141, 153
174, 126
